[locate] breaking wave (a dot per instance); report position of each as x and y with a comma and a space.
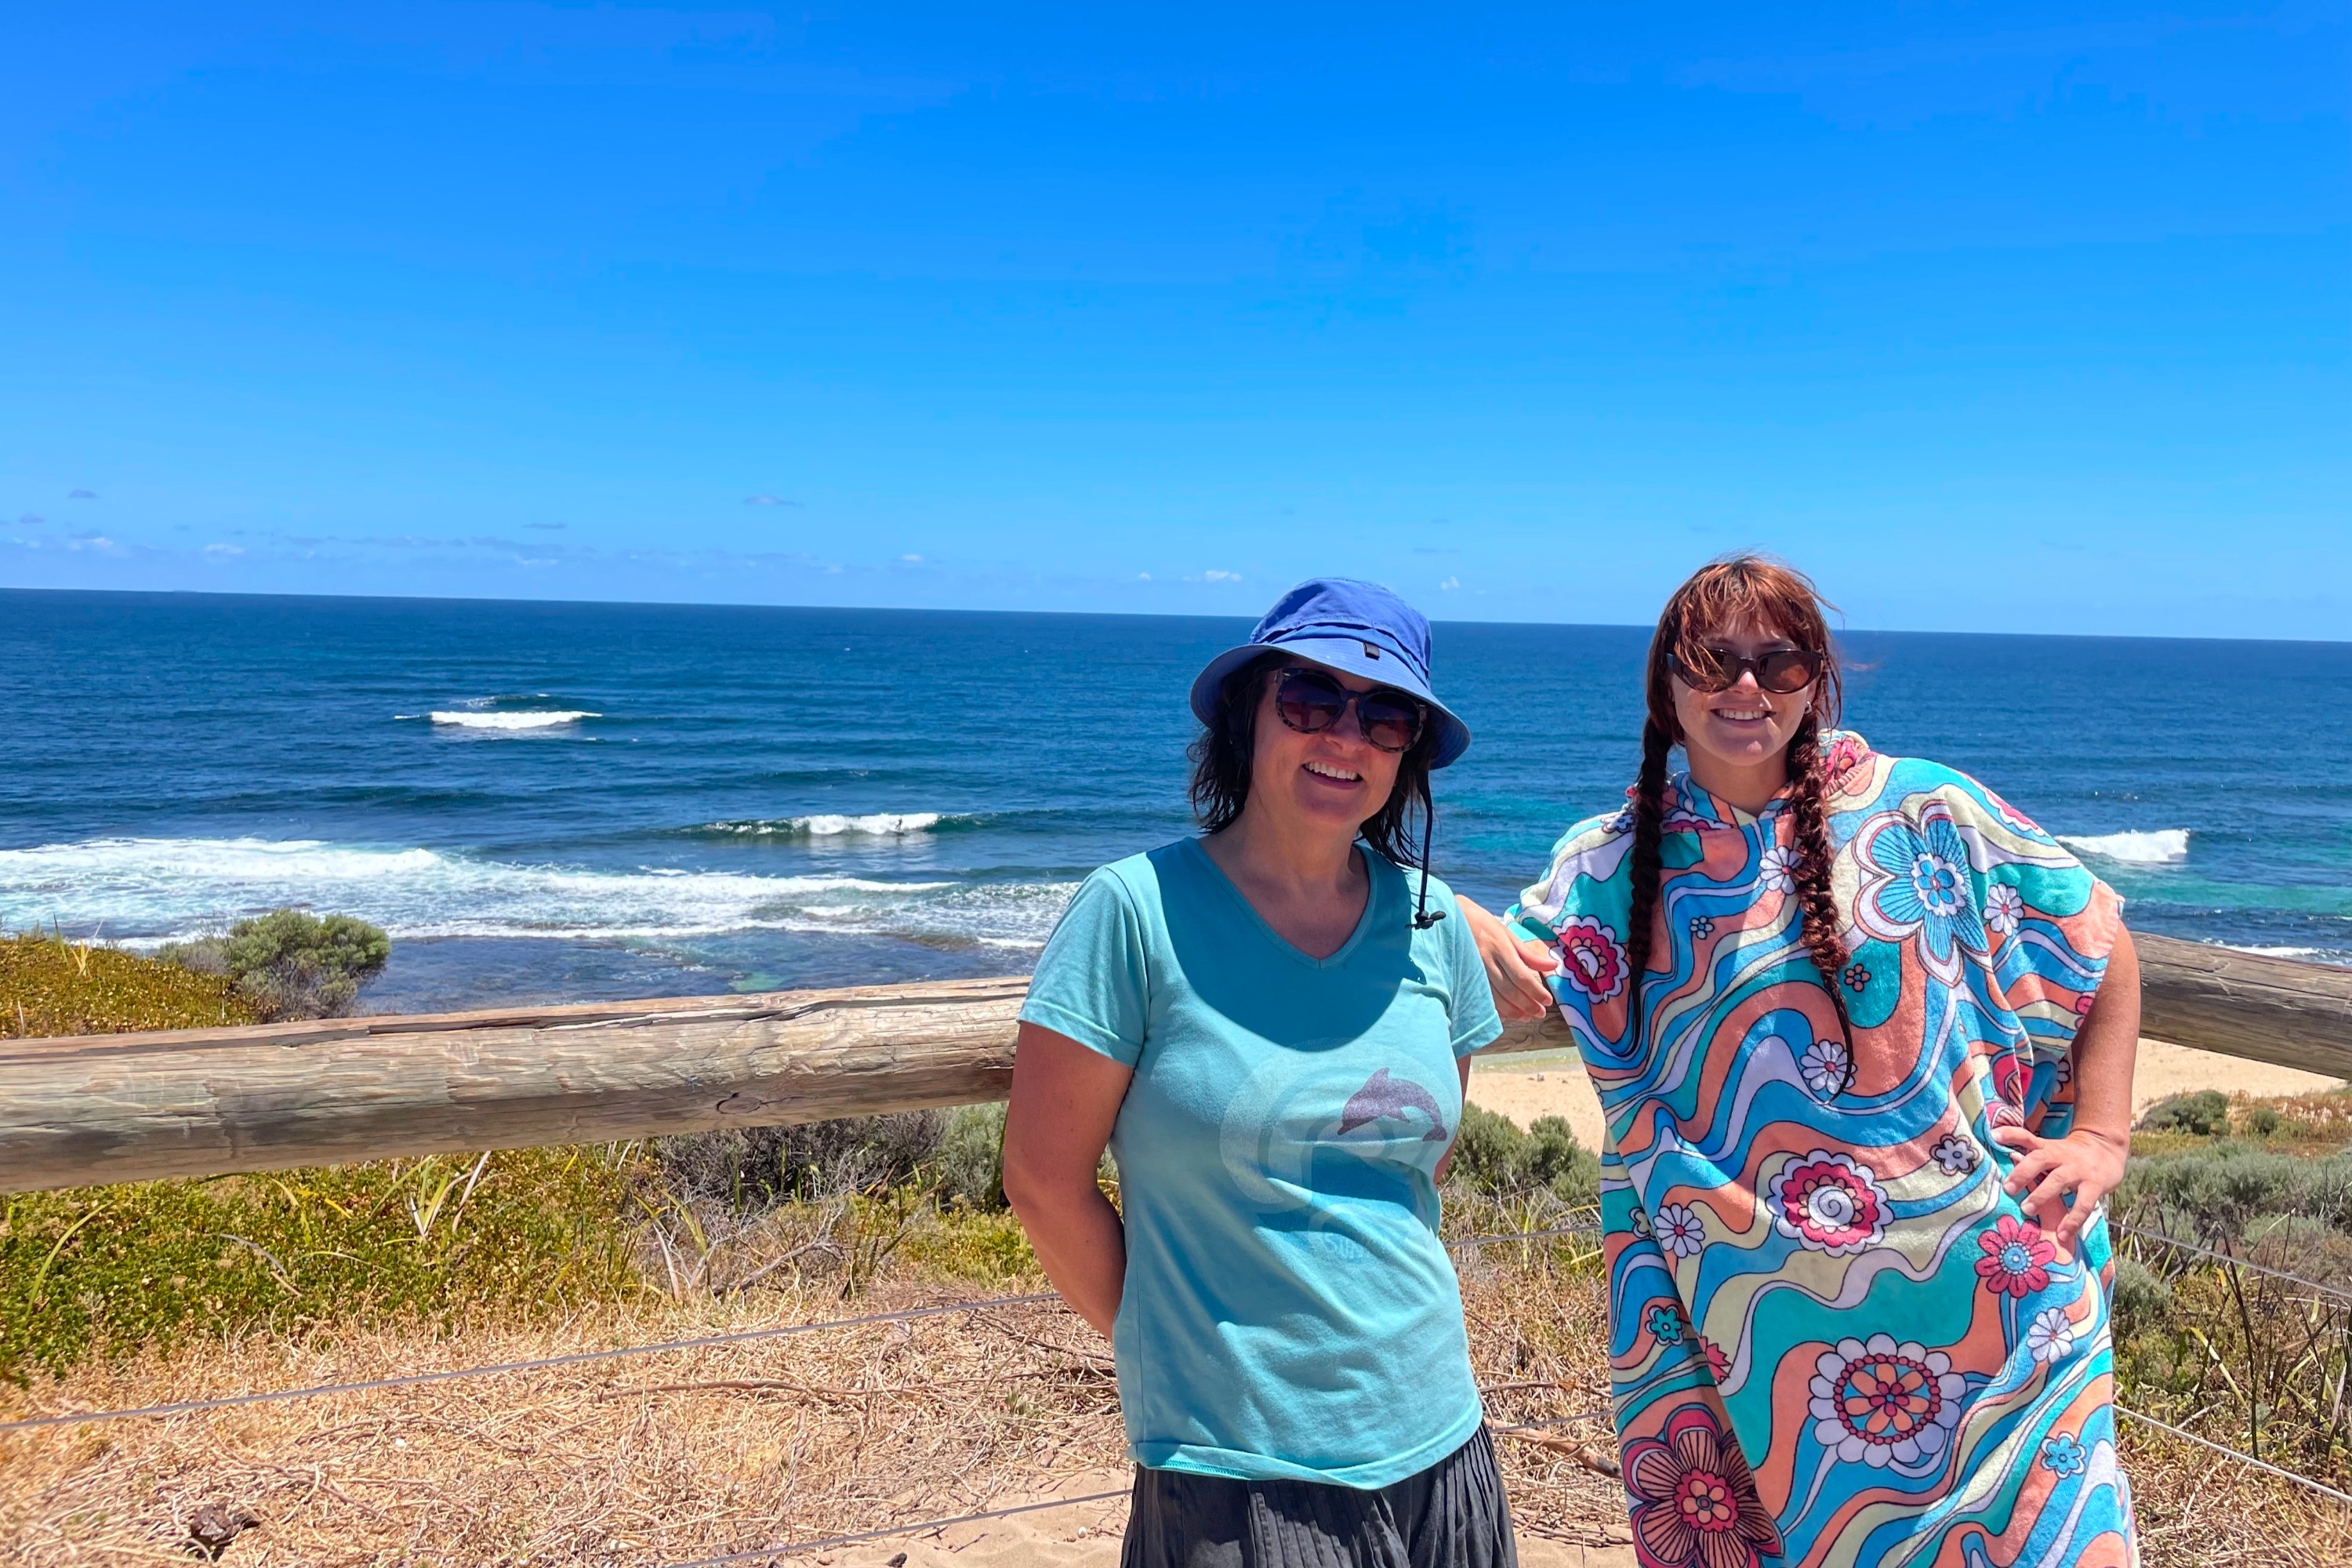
880, 824
160, 887
2164, 847
549, 719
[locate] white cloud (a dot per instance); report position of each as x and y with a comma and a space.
1214, 575
917, 560
767, 500
221, 551
1143, 576
1449, 584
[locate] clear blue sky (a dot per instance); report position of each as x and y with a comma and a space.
1995, 316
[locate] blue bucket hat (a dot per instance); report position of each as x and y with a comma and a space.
1358, 628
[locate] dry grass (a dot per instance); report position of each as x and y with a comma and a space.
688, 1454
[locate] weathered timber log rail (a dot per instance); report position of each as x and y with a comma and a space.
199, 1103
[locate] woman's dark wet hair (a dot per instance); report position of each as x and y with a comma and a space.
1221, 768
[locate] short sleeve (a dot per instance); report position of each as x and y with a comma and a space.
1093, 981
1580, 909
1471, 1009
2050, 923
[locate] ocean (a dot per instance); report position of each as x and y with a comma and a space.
548, 802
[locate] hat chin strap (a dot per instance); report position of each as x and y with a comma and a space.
1423, 917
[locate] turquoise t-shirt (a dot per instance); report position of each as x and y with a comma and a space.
1289, 1312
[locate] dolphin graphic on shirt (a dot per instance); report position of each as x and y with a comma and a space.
1386, 1098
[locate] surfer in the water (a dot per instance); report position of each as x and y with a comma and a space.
1270, 1027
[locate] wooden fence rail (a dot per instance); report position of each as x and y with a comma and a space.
199, 1103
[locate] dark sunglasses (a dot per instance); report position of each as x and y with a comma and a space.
1781, 671
1310, 701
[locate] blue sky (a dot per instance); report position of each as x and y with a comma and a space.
1999, 317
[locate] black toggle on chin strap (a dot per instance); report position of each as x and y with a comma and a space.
1423, 917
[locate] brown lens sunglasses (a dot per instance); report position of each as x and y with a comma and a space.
1781, 671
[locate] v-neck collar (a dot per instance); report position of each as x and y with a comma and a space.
1713, 811
1355, 938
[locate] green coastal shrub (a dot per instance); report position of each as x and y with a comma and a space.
117, 1268
1492, 1156
2140, 1300
753, 1169
2223, 1187
2205, 1113
291, 964
969, 1163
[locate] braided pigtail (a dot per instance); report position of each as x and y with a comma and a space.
1649, 834
1813, 873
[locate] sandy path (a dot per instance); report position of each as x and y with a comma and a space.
1087, 1535
1552, 1083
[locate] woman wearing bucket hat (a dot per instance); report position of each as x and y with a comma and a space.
1269, 1027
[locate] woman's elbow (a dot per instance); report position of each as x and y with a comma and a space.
1028, 1188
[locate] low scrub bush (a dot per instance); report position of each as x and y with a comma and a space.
2205, 1113
958, 1155
2219, 1189
751, 1168
1493, 1157
290, 965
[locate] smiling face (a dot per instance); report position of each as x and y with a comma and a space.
1331, 781
1738, 739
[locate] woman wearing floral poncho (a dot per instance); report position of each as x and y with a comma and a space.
1862, 1035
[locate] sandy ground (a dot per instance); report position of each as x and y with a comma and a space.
1552, 1083
1087, 1535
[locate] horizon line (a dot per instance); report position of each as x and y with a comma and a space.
1096, 614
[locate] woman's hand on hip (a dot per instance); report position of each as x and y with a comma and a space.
1515, 968
2085, 1162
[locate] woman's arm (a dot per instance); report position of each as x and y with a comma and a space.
2089, 1161
1514, 967
1065, 1100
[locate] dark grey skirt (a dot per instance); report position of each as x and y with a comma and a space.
1450, 1515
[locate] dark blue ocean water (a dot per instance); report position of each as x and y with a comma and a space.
758, 797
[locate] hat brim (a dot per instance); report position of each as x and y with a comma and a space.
1349, 657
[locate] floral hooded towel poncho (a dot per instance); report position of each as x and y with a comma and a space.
1834, 1339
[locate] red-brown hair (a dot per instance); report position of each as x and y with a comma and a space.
1755, 590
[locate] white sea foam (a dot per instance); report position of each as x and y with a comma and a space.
2164, 847
549, 719
826, 825
174, 886
2279, 951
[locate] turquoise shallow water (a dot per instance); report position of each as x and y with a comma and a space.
572, 801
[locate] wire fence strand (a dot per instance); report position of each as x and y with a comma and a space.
2157, 1238
536, 1364
2228, 1452
618, 1352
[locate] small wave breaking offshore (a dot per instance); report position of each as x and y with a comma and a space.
164, 888
880, 824
2163, 847
467, 719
